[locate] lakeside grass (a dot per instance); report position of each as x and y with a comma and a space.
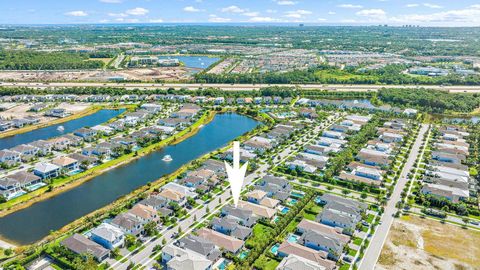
63, 184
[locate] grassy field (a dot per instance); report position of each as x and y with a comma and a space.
416, 243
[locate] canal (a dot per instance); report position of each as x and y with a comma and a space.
51, 131
32, 224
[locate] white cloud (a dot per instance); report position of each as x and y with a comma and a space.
233, 9
412, 5
137, 11
297, 14
430, 5
118, 15
214, 18
156, 20
77, 13
468, 16
332, 13
251, 14
111, 1
286, 3
350, 6
373, 14
271, 11
191, 9
262, 19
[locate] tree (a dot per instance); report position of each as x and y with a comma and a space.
86, 262
150, 228
130, 240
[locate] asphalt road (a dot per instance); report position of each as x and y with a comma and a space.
237, 87
376, 242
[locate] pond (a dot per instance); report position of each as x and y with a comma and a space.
35, 222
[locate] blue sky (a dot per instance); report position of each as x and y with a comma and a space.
328, 12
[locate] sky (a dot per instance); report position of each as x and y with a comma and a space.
318, 12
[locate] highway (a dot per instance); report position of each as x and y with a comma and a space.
372, 253
236, 87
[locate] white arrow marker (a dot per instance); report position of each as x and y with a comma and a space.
236, 175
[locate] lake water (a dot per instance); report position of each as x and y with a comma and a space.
32, 224
51, 131
200, 62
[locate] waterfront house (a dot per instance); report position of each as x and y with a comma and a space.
67, 164
5, 125
25, 150
154, 201
173, 196
108, 236
9, 156
258, 144
44, 147
60, 143
221, 240
86, 134
81, 245
46, 170
101, 129
83, 160
144, 213
128, 223
57, 112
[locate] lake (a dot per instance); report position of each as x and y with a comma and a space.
51, 131
35, 222
198, 62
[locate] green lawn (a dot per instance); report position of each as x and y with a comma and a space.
259, 233
266, 263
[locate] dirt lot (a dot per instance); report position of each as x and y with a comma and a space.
142, 74
415, 243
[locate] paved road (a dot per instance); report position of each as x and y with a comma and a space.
237, 87
143, 257
376, 243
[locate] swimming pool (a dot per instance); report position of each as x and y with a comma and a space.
292, 238
285, 210
274, 249
297, 194
292, 202
75, 172
35, 186
243, 254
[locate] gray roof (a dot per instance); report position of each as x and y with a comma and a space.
80, 244
338, 217
201, 246
323, 239
126, 221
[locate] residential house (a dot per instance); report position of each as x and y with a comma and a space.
79, 244
128, 223
108, 236
67, 164
87, 134
46, 170
177, 258
201, 246
221, 240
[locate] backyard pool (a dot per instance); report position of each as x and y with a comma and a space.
274, 249
292, 202
285, 210
292, 238
243, 254
297, 194
35, 186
